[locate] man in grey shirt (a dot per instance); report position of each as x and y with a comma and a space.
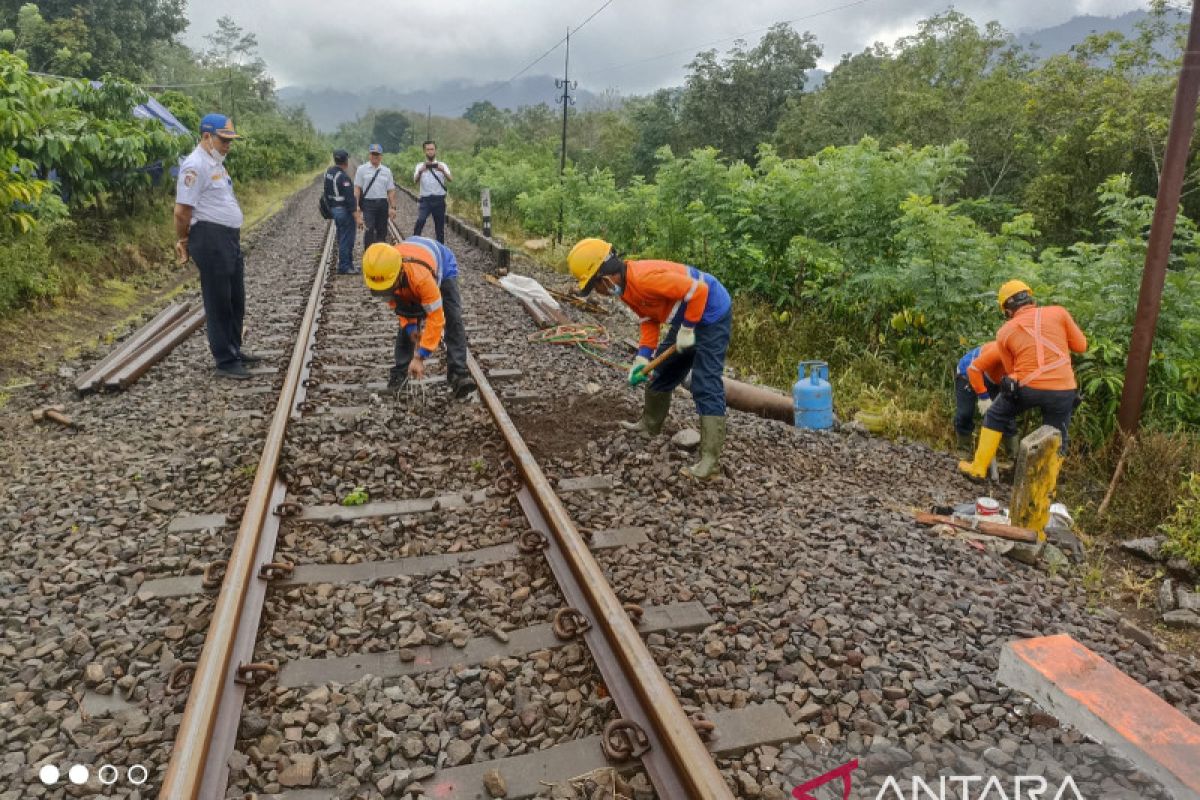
376, 193
431, 176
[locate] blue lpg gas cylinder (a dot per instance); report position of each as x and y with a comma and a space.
812, 396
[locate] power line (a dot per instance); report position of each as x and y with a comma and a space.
537, 60
694, 48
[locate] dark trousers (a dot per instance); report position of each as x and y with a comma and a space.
964, 406
1056, 406
375, 222
343, 220
456, 336
706, 361
435, 205
217, 252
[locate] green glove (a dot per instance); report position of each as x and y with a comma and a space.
637, 375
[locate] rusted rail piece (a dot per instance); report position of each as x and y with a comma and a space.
197, 770
90, 381
154, 351
675, 758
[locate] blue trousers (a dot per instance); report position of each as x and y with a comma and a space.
964, 406
343, 220
434, 204
706, 362
217, 252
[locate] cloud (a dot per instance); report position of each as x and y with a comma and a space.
632, 46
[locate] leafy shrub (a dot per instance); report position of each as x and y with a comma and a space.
1183, 528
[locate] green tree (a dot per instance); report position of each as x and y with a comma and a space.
736, 103
121, 37
233, 53
390, 129
490, 122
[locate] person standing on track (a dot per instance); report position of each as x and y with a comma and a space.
420, 279
208, 223
339, 194
431, 177
376, 193
699, 312
1034, 348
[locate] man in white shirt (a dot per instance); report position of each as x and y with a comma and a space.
431, 176
376, 193
208, 222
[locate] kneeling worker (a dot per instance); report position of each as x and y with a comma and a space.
966, 400
419, 278
1034, 349
700, 314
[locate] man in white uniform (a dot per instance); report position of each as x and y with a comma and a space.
431, 176
376, 193
208, 223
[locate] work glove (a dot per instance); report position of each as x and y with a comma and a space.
983, 405
637, 374
685, 339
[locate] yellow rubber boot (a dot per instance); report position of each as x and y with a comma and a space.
989, 442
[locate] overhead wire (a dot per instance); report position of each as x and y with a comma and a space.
539, 59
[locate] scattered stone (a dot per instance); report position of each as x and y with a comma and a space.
1149, 547
1142, 637
688, 438
299, 771
495, 784
1166, 596
1183, 618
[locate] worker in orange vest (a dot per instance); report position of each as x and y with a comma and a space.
421, 287
699, 313
967, 401
1034, 349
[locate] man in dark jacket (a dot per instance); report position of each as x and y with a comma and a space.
339, 193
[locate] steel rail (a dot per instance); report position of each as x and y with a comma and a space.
215, 669
154, 350
89, 381
678, 763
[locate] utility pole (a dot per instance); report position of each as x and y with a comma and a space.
567, 87
428, 123
1162, 230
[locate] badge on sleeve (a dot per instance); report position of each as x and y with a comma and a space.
189, 177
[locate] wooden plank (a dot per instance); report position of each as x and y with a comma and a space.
997, 529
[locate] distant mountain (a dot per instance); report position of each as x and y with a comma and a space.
1061, 38
329, 108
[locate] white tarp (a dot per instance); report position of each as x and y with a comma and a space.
527, 289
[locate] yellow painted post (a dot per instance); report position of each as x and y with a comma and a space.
1035, 478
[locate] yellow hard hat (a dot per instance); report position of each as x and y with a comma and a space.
585, 259
381, 265
1009, 289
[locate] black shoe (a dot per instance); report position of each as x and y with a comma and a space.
397, 384
248, 357
236, 371
461, 386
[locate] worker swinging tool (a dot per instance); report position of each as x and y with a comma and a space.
1033, 351
419, 278
700, 314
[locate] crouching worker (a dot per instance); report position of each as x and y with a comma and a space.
967, 400
419, 279
1034, 349
699, 312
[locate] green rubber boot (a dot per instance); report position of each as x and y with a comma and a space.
712, 439
654, 413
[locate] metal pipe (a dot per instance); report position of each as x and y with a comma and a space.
694, 769
90, 380
1162, 230
192, 743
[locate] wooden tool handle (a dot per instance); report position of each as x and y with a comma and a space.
659, 359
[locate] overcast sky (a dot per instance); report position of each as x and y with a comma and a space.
632, 46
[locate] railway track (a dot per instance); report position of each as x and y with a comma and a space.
410, 640
643, 722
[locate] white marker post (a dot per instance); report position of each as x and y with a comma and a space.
485, 202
